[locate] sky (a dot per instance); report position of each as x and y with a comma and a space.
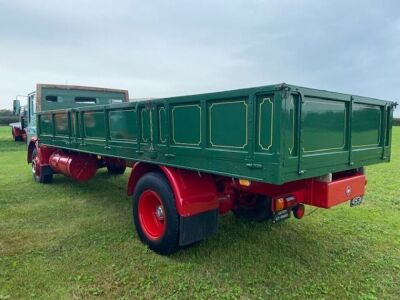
166, 48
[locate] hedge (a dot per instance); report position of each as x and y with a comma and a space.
5, 120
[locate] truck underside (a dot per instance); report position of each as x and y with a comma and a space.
173, 207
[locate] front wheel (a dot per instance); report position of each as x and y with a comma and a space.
155, 215
37, 173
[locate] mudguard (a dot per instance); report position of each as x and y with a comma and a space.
194, 192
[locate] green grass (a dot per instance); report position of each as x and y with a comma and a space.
76, 240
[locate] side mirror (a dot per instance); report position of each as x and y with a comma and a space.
16, 107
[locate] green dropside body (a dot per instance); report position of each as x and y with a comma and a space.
274, 134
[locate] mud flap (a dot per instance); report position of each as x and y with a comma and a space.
198, 227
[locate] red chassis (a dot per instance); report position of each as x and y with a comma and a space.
197, 197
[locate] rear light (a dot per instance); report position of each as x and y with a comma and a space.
298, 211
244, 182
284, 202
279, 204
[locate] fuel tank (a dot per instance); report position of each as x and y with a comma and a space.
80, 167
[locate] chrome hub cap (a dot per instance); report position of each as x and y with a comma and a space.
159, 212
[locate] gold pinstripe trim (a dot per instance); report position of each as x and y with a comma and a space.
109, 124
162, 108
345, 125
369, 106
210, 121
260, 123
142, 124
173, 125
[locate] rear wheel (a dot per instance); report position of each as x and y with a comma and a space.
115, 169
38, 176
155, 215
254, 207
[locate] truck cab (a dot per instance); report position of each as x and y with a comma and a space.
48, 97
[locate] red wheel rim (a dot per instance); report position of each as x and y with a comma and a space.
151, 215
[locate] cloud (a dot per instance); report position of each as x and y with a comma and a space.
164, 48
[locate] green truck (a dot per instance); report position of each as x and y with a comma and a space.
262, 153
18, 129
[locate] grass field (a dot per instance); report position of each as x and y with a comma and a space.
72, 240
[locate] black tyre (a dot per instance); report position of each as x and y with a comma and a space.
254, 207
38, 176
115, 169
155, 215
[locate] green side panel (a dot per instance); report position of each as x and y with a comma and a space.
186, 124
123, 125
94, 124
265, 124
324, 125
46, 124
366, 125
145, 125
162, 124
228, 124
61, 121
273, 134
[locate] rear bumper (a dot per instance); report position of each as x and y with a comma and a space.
328, 194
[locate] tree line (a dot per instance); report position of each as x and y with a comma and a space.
6, 117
